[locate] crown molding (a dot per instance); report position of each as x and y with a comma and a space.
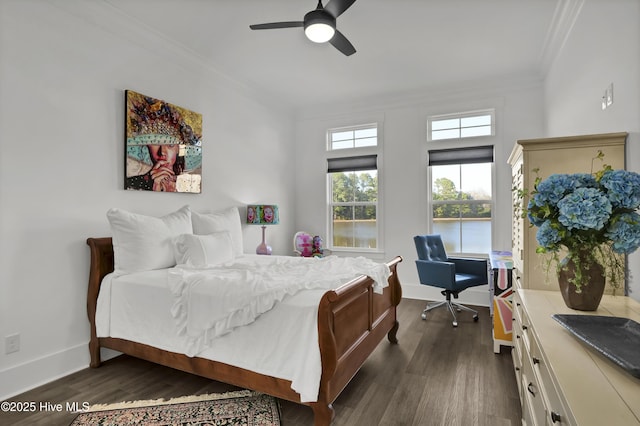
458, 92
114, 21
564, 18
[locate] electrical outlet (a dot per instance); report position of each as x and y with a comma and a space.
12, 343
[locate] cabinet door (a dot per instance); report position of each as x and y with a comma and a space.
542, 158
517, 229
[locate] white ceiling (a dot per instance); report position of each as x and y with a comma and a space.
403, 46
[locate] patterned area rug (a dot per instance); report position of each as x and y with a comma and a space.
244, 408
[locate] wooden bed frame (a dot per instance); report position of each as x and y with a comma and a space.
352, 320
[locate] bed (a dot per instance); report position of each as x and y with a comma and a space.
352, 320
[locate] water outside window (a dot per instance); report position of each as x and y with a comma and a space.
461, 206
354, 209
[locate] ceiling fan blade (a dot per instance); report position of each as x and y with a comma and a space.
276, 25
341, 43
337, 7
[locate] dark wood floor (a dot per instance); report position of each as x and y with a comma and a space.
436, 375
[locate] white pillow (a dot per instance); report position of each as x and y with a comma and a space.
226, 220
203, 250
144, 243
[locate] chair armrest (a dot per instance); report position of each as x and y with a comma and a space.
439, 274
470, 266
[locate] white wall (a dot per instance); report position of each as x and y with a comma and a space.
63, 71
602, 48
403, 176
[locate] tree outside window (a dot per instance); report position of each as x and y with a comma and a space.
354, 199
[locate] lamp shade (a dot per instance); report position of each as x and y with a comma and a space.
262, 214
319, 33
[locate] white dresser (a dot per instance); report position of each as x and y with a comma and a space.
561, 380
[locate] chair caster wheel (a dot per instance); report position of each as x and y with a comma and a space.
424, 316
475, 318
455, 323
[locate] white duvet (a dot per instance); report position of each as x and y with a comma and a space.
250, 313
213, 301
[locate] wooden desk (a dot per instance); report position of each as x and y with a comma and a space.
501, 290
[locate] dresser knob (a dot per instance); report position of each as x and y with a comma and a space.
535, 360
524, 327
555, 417
531, 388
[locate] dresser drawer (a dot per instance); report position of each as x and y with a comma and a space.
532, 403
555, 412
517, 367
516, 352
527, 332
516, 277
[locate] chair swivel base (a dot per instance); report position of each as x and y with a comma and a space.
450, 305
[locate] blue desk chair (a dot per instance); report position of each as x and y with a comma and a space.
452, 274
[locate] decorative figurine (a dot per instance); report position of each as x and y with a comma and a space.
304, 244
317, 250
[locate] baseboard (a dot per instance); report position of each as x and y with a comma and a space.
478, 296
31, 374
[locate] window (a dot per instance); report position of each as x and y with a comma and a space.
352, 188
461, 200
353, 137
461, 125
353, 202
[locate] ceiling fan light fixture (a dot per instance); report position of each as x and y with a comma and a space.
319, 33
319, 26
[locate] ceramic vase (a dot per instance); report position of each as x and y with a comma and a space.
591, 291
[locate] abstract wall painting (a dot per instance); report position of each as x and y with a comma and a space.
163, 146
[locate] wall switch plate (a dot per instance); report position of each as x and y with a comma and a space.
12, 343
607, 98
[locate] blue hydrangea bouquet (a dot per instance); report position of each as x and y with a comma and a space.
592, 216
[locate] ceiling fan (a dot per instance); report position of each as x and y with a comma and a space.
319, 25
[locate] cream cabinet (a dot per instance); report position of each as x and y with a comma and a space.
575, 154
561, 380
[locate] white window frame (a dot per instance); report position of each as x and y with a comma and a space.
353, 129
343, 153
460, 127
492, 202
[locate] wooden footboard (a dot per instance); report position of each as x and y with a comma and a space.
352, 320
